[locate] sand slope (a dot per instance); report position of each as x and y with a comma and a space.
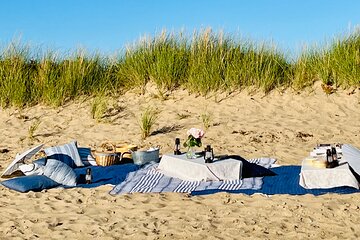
281, 125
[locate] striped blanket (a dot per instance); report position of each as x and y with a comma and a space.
149, 179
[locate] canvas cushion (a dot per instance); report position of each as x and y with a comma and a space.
86, 156
67, 153
251, 169
60, 172
34, 183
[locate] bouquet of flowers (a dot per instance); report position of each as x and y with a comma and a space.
194, 138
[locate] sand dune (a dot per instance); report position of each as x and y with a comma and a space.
283, 125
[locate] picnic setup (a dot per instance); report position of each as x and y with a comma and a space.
329, 168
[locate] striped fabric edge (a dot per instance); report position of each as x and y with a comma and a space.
133, 177
231, 185
147, 182
186, 186
86, 156
264, 162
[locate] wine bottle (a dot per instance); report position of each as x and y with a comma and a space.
208, 156
177, 147
334, 156
328, 158
88, 177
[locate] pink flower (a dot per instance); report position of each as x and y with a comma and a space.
196, 133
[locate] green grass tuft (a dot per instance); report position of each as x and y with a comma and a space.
147, 121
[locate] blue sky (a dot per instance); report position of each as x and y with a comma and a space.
108, 25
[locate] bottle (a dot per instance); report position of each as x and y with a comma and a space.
208, 156
329, 158
334, 156
177, 147
88, 177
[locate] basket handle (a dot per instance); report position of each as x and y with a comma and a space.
108, 146
121, 155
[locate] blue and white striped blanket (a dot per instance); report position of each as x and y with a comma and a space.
149, 179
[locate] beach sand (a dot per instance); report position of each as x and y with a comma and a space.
285, 125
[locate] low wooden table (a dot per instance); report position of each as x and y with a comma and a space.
313, 177
197, 170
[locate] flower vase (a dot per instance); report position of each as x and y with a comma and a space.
191, 153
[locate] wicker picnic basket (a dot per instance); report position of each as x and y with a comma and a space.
106, 155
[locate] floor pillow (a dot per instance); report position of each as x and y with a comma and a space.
67, 153
60, 172
34, 183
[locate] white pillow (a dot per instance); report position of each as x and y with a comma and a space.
60, 172
67, 153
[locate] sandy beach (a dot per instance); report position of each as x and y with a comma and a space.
284, 125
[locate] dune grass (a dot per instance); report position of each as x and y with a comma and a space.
147, 121
335, 64
98, 107
17, 74
33, 128
204, 62
340, 64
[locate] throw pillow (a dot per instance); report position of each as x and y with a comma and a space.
66, 153
60, 172
34, 183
